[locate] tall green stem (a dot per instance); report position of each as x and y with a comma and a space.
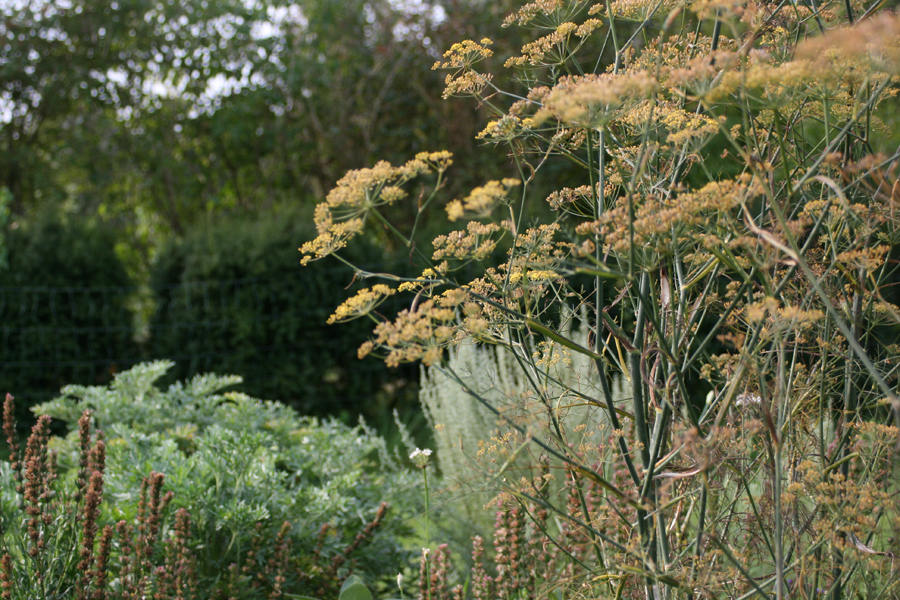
637, 390
597, 194
849, 409
427, 535
640, 420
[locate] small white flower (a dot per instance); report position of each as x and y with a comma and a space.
399, 580
420, 457
747, 399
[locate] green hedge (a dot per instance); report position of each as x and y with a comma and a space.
64, 314
232, 297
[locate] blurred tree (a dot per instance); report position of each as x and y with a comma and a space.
231, 297
162, 110
63, 61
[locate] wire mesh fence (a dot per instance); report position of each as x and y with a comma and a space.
270, 329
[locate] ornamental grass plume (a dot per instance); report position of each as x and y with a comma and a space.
12, 439
6, 575
731, 240
92, 500
523, 562
278, 564
321, 573
100, 572
482, 583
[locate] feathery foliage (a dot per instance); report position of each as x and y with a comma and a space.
733, 237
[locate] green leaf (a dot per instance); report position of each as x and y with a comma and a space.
352, 579
546, 331
601, 272
354, 591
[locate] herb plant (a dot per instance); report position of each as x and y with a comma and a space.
732, 235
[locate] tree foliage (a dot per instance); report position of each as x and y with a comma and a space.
64, 62
155, 113
231, 296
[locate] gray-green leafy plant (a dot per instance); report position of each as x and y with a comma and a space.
464, 427
254, 476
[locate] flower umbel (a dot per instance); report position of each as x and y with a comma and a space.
420, 459
592, 101
460, 57
482, 200
364, 302
342, 216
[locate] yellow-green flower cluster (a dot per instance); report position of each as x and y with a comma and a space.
463, 55
698, 76
416, 334
554, 48
536, 276
460, 58
481, 201
467, 83
658, 221
332, 236
360, 190
679, 126
592, 101
565, 198
638, 10
722, 9
675, 52
506, 128
475, 243
538, 247
545, 14
777, 81
363, 303
875, 41
869, 259
342, 215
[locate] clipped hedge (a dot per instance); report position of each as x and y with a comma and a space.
231, 297
64, 314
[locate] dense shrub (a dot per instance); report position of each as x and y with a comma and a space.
231, 297
64, 314
253, 476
